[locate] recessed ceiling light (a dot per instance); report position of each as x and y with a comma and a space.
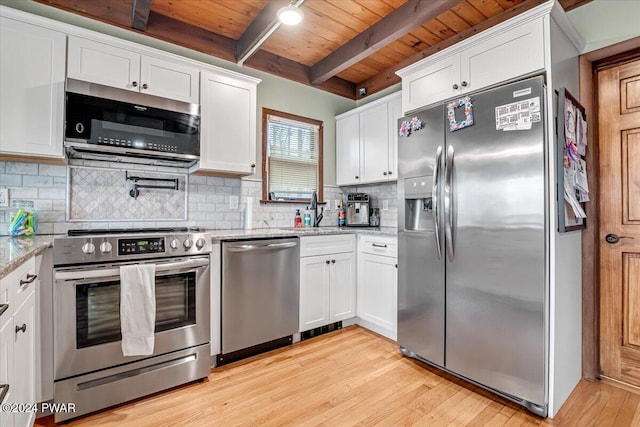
290, 15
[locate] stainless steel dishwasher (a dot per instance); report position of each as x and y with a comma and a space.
260, 287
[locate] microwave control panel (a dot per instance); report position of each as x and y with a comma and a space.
141, 246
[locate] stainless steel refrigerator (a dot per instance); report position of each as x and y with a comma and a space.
472, 281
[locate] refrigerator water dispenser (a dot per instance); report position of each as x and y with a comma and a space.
418, 199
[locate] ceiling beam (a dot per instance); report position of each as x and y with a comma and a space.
401, 21
140, 14
291, 70
259, 28
568, 5
195, 38
388, 77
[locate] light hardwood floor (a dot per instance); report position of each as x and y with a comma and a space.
351, 377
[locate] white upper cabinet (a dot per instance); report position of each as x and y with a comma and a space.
228, 123
100, 63
367, 143
32, 88
348, 150
432, 84
374, 134
491, 57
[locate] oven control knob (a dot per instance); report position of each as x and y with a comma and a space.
200, 243
175, 243
105, 247
88, 248
187, 243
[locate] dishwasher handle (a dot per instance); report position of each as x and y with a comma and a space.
271, 246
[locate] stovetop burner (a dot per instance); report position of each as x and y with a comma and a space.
95, 231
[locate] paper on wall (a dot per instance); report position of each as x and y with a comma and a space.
581, 135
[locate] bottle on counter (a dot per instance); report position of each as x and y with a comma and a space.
341, 213
298, 220
307, 218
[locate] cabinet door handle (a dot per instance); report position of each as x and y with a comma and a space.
145, 86
464, 84
253, 165
3, 308
390, 172
357, 177
30, 279
333, 261
327, 261
396, 265
455, 86
384, 173
22, 328
378, 245
134, 84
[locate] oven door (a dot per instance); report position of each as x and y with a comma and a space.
87, 313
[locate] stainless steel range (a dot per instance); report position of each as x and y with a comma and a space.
89, 367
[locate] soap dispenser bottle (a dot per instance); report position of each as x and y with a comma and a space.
298, 220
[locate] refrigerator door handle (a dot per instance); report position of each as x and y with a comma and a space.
448, 204
436, 203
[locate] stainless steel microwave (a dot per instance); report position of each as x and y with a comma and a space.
107, 129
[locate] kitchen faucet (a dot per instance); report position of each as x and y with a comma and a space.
314, 207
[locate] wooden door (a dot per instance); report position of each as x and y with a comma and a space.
619, 139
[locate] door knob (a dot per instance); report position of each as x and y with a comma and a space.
614, 238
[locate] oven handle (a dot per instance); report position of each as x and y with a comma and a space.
110, 272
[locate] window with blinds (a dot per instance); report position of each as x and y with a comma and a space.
292, 157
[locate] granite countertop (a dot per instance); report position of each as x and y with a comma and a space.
16, 250
297, 232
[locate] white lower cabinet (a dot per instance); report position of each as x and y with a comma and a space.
378, 284
19, 343
7, 372
327, 281
25, 351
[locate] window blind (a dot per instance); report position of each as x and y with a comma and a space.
292, 158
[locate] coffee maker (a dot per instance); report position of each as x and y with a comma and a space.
357, 210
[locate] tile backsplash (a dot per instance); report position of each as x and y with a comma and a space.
208, 199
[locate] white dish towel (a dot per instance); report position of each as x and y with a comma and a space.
137, 309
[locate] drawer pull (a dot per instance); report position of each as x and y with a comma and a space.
378, 245
22, 328
30, 279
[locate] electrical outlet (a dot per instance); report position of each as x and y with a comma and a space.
336, 203
385, 205
233, 202
4, 197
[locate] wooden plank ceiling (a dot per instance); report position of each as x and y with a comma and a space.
340, 46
